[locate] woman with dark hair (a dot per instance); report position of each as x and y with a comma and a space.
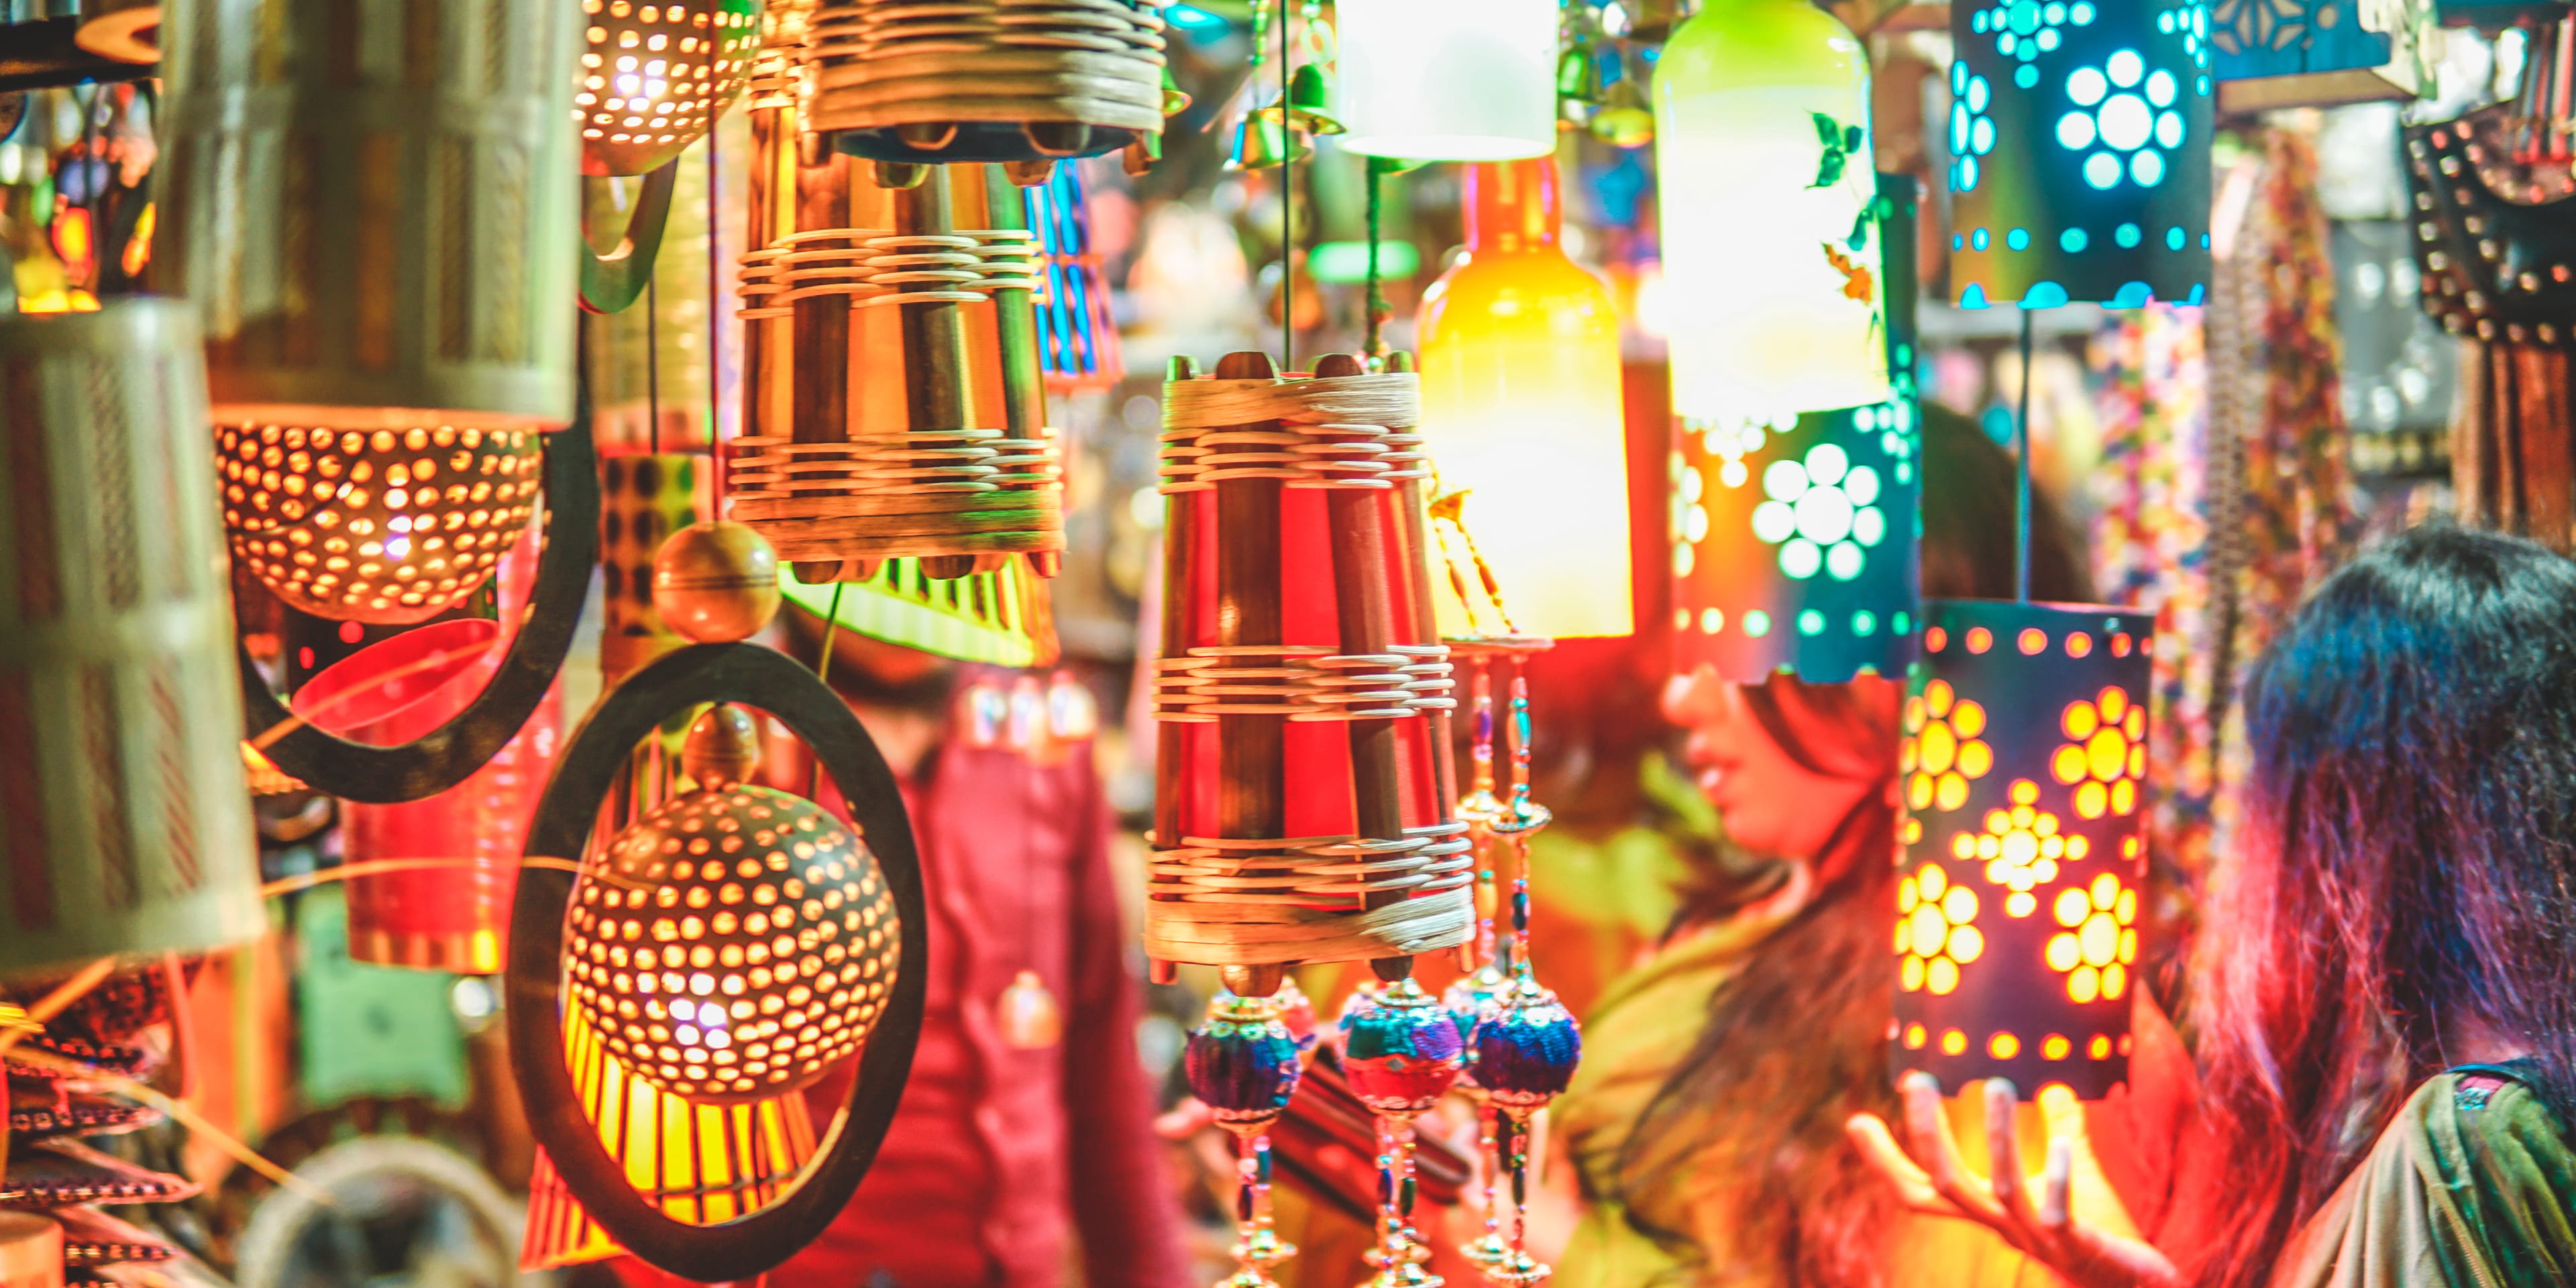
1706, 1127
2388, 1031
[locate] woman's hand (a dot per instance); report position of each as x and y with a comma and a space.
2086, 1256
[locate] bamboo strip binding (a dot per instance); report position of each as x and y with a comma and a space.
885, 63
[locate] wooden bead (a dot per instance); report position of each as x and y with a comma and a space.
723, 747
716, 582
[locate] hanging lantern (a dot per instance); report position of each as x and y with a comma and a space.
2492, 235
889, 326
129, 825
1771, 259
1302, 812
732, 942
1400, 1054
1795, 548
1077, 338
986, 80
698, 1164
1243, 1064
655, 76
2023, 771
1448, 80
2321, 53
644, 499
435, 875
1522, 414
735, 1022
2080, 138
421, 315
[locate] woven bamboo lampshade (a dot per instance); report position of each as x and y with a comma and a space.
700, 1163
1796, 547
2080, 138
1303, 804
655, 74
986, 80
129, 828
896, 407
2025, 844
375, 210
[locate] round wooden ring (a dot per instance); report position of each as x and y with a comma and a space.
612, 282
598, 752
447, 755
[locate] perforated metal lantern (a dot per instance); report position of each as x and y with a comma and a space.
1797, 548
128, 826
655, 74
2079, 134
2023, 774
2492, 233
374, 210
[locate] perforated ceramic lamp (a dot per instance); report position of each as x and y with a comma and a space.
1522, 413
1448, 80
2023, 775
655, 74
2079, 134
1771, 261
120, 715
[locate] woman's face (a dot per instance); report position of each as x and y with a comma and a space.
1771, 803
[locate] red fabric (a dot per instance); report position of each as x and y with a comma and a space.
1000, 1158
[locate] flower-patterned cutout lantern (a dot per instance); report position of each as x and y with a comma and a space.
2079, 138
1795, 547
2017, 896
2321, 53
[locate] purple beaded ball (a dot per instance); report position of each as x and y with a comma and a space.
1243, 1062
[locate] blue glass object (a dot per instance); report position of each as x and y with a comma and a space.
2102, 127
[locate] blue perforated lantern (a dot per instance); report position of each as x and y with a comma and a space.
2079, 137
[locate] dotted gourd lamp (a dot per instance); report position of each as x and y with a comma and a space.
2023, 779
655, 74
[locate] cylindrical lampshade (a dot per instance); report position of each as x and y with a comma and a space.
1797, 548
654, 77
1771, 261
643, 499
1448, 80
986, 80
374, 209
2080, 138
1521, 412
2023, 771
128, 822
1301, 812
453, 912
703, 1164
1077, 339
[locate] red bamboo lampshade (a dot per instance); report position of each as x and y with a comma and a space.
2025, 844
450, 909
1303, 803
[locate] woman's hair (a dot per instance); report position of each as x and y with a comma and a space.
2407, 866
1796, 1042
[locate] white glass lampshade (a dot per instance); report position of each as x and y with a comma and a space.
1448, 80
1770, 255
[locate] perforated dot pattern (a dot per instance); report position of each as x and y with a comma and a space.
654, 75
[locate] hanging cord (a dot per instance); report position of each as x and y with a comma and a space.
715, 331
1287, 207
823, 672
2021, 473
1376, 301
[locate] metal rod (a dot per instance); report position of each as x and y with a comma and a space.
2021, 472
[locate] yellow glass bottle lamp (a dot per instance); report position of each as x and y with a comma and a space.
1770, 254
1521, 414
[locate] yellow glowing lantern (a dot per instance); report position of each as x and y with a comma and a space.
1765, 184
1521, 412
